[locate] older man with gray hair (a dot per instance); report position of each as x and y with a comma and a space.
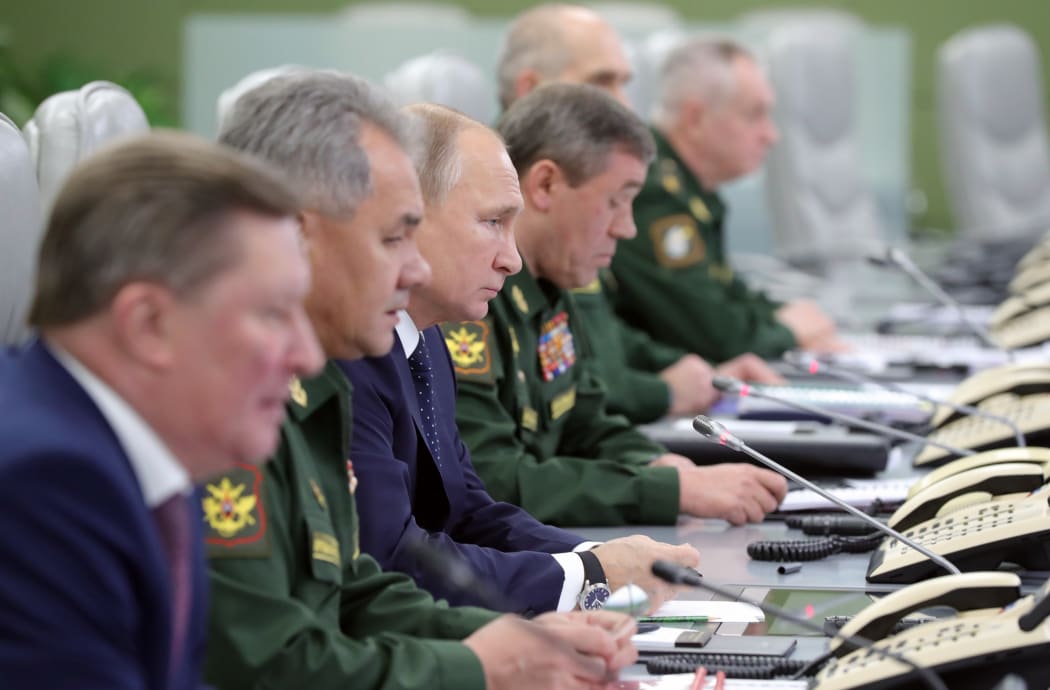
713, 125
296, 603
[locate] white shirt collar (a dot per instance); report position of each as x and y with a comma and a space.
407, 332
159, 473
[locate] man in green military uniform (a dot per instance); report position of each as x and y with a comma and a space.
713, 125
645, 379
531, 406
295, 603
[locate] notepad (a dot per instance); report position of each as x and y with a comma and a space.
859, 493
714, 611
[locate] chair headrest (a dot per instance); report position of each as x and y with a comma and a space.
444, 79
70, 125
21, 226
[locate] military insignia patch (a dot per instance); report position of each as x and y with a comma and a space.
555, 347
529, 419
519, 299
676, 241
326, 548
563, 403
468, 344
699, 209
318, 495
515, 348
295, 387
233, 514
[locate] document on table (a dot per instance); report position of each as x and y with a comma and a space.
684, 681
714, 611
859, 493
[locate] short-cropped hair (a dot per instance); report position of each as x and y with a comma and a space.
308, 124
153, 208
440, 163
576, 126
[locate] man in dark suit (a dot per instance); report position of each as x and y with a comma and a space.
159, 362
406, 446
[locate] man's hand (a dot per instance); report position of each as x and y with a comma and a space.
689, 380
556, 650
812, 328
735, 492
630, 559
751, 368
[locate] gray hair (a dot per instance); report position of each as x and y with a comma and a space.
702, 69
533, 41
152, 208
576, 126
309, 125
440, 163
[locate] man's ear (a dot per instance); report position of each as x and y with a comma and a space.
540, 184
143, 319
526, 81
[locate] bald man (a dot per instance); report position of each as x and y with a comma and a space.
646, 379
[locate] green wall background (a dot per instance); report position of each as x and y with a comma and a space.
112, 39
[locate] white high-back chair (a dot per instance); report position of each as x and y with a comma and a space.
823, 211
445, 79
992, 124
70, 125
21, 227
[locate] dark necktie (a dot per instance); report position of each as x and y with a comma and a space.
423, 378
173, 522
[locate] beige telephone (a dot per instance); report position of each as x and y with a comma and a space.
1019, 392
966, 592
1013, 528
1023, 320
969, 651
1031, 275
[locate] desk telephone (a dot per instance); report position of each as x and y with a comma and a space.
1023, 320
994, 633
1020, 392
1013, 528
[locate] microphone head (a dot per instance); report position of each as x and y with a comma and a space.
802, 360
726, 384
675, 574
708, 427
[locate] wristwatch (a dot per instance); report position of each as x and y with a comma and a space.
595, 587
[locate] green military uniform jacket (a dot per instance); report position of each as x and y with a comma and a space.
532, 411
294, 603
673, 278
627, 360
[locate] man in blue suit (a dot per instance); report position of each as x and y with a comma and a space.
168, 305
406, 447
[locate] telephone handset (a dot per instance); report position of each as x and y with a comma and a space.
1031, 276
965, 592
1015, 305
970, 651
986, 481
1030, 414
1013, 529
1030, 454
1019, 379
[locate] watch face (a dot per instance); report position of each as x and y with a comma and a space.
594, 596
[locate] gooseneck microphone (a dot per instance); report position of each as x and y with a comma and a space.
678, 575
898, 259
808, 363
732, 386
710, 429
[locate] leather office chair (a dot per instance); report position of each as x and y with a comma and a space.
70, 125
994, 152
21, 227
445, 79
823, 212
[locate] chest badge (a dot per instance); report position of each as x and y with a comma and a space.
556, 349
